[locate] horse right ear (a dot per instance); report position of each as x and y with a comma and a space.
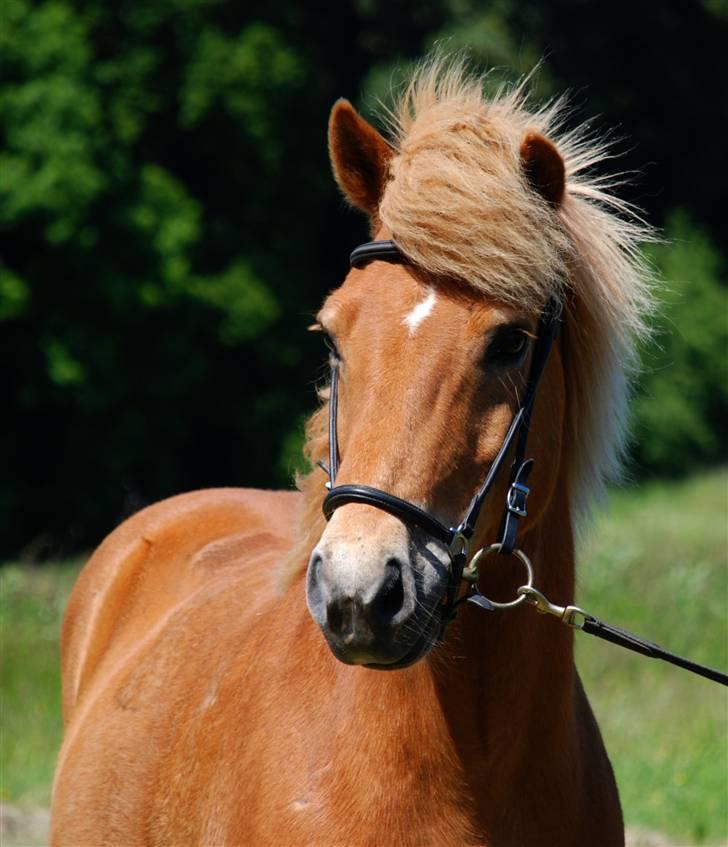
544, 167
359, 157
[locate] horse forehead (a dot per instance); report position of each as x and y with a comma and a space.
385, 300
381, 296
378, 289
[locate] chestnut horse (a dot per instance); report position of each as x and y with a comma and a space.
223, 650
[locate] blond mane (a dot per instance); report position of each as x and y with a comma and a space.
458, 204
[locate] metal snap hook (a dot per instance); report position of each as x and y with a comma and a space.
572, 616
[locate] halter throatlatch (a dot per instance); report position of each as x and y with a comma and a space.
457, 539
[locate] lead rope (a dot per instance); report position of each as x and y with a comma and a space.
576, 618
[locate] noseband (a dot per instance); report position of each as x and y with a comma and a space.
457, 538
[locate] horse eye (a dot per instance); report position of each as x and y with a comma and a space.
508, 346
331, 345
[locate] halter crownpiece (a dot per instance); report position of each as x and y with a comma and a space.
382, 251
456, 538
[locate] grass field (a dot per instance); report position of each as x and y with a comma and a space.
655, 563
32, 600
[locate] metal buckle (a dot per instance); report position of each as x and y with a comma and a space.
458, 546
516, 499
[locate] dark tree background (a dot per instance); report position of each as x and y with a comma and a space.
169, 225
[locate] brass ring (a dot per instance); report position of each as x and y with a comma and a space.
521, 556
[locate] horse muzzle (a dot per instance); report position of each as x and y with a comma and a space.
371, 600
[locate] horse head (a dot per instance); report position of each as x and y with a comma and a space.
432, 366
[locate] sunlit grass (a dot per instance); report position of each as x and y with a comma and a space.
656, 564
32, 600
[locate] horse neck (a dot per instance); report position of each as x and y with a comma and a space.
473, 713
506, 678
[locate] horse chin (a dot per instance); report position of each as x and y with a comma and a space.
425, 641
418, 651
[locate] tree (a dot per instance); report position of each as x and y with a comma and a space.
169, 228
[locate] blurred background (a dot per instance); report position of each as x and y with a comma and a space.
169, 227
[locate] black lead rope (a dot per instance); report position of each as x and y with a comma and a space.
457, 538
622, 638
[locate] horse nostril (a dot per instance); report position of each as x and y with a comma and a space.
389, 599
356, 607
340, 616
314, 593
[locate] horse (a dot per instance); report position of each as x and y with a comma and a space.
239, 668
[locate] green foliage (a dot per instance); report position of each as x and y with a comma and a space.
682, 400
487, 34
248, 305
146, 167
169, 224
49, 112
241, 75
13, 295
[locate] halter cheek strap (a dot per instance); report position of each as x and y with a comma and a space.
456, 538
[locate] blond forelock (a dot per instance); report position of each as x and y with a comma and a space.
458, 203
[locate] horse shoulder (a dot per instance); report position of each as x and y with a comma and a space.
156, 560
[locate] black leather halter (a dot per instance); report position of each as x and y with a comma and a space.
456, 538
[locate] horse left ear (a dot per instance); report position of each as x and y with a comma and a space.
544, 167
359, 157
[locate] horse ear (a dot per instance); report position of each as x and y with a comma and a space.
544, 167
359, 157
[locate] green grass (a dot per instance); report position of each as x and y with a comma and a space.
654, 563
32, 600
